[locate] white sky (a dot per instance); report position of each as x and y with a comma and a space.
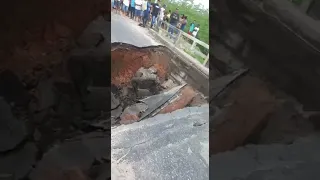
205, 3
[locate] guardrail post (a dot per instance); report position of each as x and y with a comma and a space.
178, 37
206, 60
193, 45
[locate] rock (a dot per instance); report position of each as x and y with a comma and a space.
145, 79
17, 165
12, 89
114, 101
132, 113
116, 112
46, 95
12, 131
142, 93
168, 84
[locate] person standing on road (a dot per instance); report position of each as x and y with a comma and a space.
117, 5
154, 13
132, 9
146, 13
174, 19
161, 15
125, 7
138, 10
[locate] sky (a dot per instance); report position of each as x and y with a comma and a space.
205, 3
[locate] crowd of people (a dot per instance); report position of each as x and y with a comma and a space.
144, 11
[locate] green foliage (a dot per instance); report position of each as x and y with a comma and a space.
193, 12
199, 58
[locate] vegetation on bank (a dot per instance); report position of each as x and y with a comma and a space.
193, 12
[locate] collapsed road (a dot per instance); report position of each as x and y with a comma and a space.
265, 122
55, 101
160, 116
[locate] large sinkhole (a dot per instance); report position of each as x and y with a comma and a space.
151, 80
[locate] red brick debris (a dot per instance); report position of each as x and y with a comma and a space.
186, 96
129, 118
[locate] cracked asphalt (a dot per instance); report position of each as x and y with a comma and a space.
167, 146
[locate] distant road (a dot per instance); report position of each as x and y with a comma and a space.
126, 30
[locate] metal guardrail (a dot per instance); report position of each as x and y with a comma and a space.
183, 41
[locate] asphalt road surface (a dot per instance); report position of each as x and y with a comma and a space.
125, 30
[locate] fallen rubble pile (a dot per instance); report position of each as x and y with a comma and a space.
147, 88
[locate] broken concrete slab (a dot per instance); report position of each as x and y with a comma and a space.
16, 165
156, 101
152, 148
265, 161
12, 89
12, 131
